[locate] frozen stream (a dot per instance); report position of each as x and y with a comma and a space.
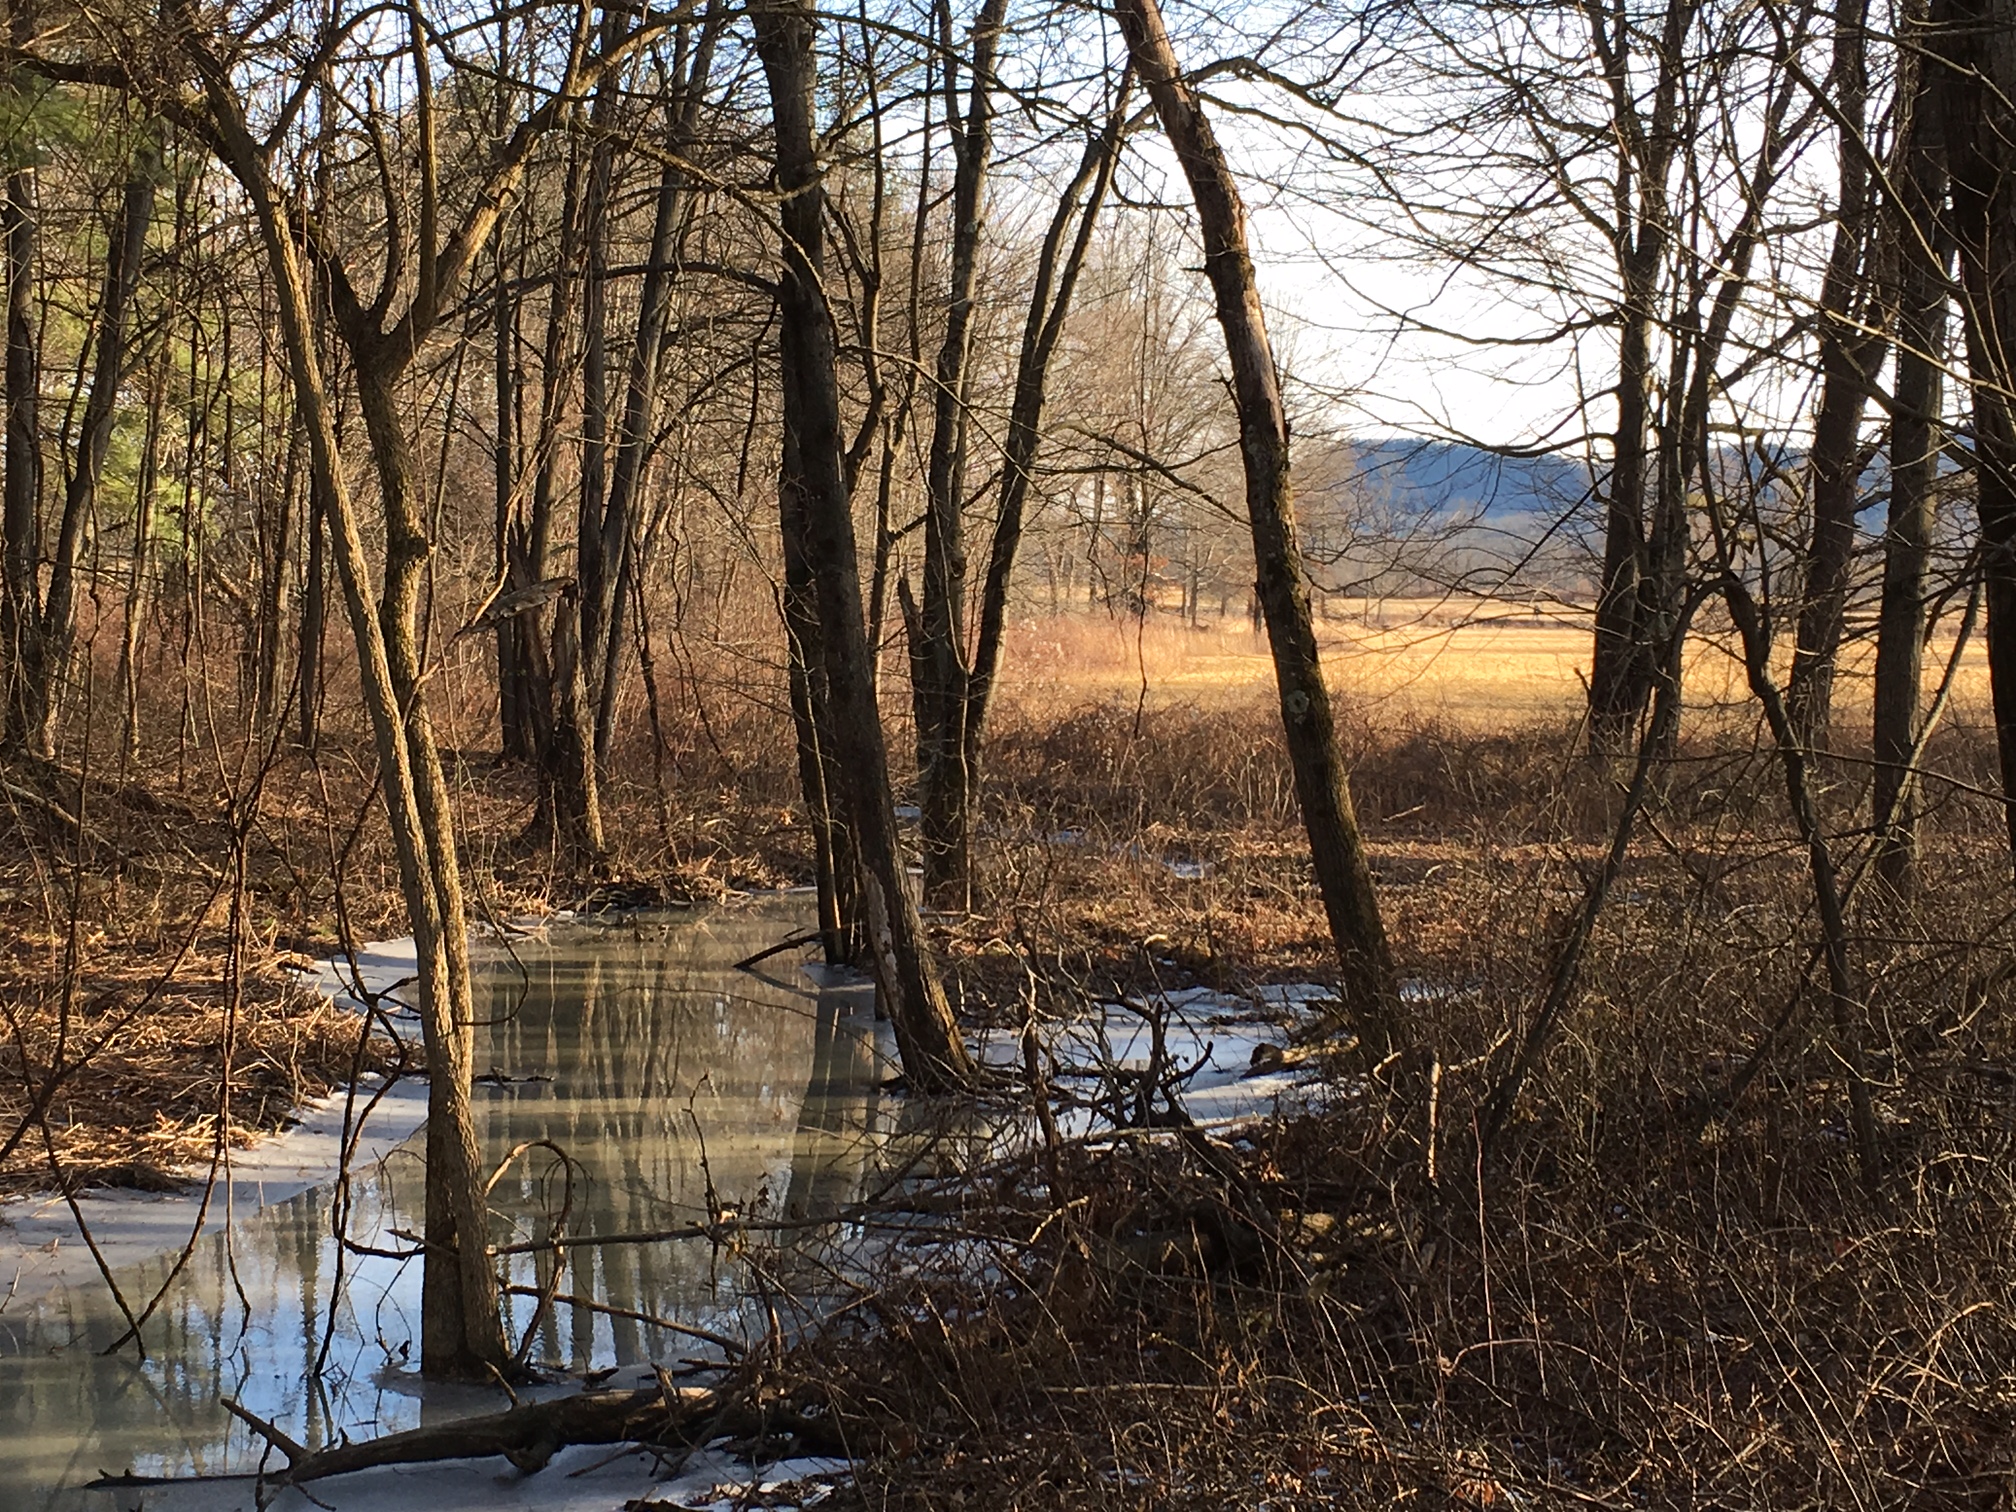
632, 1046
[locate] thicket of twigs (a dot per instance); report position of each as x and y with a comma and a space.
1669, 1283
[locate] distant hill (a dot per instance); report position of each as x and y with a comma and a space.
1455, 481
1389, 514
1392, 514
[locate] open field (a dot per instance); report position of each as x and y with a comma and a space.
1472, 663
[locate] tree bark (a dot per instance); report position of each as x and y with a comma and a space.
934, 1056
1973, 43
461, 1328
21, 591
1049, 303
619, 535
554, 697
1916, 441
1851, 314
45, 650
940, 669
460, 1323
1343, 873
140, 564
1626, 658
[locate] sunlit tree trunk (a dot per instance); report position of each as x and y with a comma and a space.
1049, 303
1343, 872
940, 670
934, 1055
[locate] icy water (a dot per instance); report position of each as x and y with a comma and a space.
671, 1081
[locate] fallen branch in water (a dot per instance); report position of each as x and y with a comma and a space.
527, 1435
789, 942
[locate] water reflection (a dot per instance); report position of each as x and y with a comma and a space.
678, 1088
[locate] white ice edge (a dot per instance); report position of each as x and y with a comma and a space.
41, 1250
581, 1479
1216, 1031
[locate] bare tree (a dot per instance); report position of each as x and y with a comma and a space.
1343, 874
816, 506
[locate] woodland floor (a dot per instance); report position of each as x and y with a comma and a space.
1671, 1286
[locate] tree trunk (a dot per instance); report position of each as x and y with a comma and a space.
21, 720
1626, 659
139, 564
48, 646
1974, 42
1342, 872
461, 1326
1620, 676
461, 1330
513, 729
276, 581
1916, 440
618, 530
1049, 303
597, 543
939, 657
1851, 312
836, 866
934, 1056
554, 696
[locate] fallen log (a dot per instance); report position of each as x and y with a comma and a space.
527, 1435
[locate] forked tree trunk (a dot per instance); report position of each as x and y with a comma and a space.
1049, 303
934, 1056
938, 659
1342, 871
461, 1328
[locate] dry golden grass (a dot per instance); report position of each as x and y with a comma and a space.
1473, 664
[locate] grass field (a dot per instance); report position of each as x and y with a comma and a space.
1472, 663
